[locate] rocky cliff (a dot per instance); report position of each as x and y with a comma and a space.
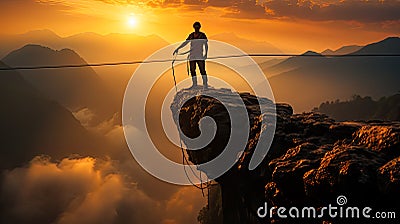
311, 162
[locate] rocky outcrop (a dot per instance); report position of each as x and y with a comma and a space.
312, 159
389, 179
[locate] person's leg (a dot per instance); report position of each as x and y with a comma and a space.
193, 72
202, 67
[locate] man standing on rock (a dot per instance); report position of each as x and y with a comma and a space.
197, 56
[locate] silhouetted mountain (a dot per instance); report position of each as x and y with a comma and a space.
271, 62
74, 88
94, 48
16, 41
307, 81
114, 47
343, 50
293, 63
363, 108
91, 46
31, 124
390, 45
249, 46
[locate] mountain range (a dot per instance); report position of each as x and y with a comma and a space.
33, 124
267, 66
74, 88
343, 50
91, 46
115, 47
249, 46
302, 81
96, 48
305, 81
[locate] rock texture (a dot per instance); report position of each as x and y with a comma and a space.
312, 160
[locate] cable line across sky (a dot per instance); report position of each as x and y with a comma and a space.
170, 60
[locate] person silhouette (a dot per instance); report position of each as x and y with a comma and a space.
197, 55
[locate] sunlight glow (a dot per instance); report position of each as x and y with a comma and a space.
132, 21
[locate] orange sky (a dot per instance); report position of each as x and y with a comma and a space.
291, 25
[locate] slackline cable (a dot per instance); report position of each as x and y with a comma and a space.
209, 58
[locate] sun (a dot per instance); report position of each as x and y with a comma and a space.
132, 21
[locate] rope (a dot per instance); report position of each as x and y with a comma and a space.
184, 158
187, 66
170, 60
173, 72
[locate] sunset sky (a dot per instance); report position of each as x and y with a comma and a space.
67, 160
291, 25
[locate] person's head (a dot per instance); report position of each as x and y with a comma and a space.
196, 26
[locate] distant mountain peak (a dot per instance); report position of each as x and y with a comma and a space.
343, 50
231, 34
327, 51
248, 45
388, 41
40, 48
35, 47
35, 54
390, 45
312, 53
68, 51
42, 33
391, 39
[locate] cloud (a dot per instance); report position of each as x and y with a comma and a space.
248, 9
107, 126
86, 190
36, 7
92, 190
178, 208
195, 2
319, 10
85, 116
362, 11
354, 10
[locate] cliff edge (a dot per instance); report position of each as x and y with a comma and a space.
311, 162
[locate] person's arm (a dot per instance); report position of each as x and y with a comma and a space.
183, 44
180, 46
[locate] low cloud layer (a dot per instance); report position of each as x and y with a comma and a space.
86, 190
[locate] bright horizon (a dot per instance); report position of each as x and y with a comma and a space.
288, 50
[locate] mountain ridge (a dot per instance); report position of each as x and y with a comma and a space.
342, 50
30, 50
234, 39
306, 81
389, 45
87, 44
33, 124
74, 88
